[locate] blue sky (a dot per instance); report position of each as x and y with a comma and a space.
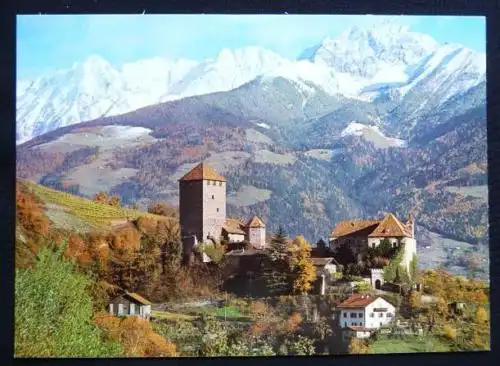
49, 42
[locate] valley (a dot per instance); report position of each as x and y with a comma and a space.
305, 143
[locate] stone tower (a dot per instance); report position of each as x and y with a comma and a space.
202, 206
256, 232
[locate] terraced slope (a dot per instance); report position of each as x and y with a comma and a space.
71, 212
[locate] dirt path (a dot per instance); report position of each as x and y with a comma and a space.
119, 222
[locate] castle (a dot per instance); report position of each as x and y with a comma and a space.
202, 209
360, 234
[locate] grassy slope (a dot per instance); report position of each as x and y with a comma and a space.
409, 345
80, 214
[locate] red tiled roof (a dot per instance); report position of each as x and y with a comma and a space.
234, 226
351, 227
138, 298
390, 227
357, 301
202, 172
255, 222
321, 261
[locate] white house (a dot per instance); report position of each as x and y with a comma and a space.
361, 315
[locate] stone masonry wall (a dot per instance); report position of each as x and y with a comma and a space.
214, 208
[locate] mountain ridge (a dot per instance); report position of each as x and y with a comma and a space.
95, 88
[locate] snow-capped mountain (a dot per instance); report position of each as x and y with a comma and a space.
369, 53
386, 61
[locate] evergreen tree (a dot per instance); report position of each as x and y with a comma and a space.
277, 272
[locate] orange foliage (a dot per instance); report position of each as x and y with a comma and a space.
109, 324
101, 197
256, 329
136, 336
104, 198
30, 213
161, 208
127, 239
159, 347
293, 322
258, 308
114, 201
76, 246
146, 225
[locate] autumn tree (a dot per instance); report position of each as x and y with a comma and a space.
101, 197
481, 315
303, 270
293, 322
136, 335
161, 208
114, 201
414, 301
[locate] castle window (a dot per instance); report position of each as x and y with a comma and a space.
217, 210
212, 196
220, 184
208, 182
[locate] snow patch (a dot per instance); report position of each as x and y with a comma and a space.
372, 134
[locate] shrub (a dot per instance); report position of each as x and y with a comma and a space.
357, 346
293, 322
258, 308
161, 208
450, 332
53, 309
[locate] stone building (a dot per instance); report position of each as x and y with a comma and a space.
129, 304
202, 209
361, 234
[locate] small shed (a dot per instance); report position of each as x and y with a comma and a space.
326, 265
130, 303
456, 307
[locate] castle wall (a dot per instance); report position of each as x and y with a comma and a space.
191, 208
214, 208
410, 250
356, 244
257, 237
236, 238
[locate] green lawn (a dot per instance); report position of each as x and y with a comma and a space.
409, 345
